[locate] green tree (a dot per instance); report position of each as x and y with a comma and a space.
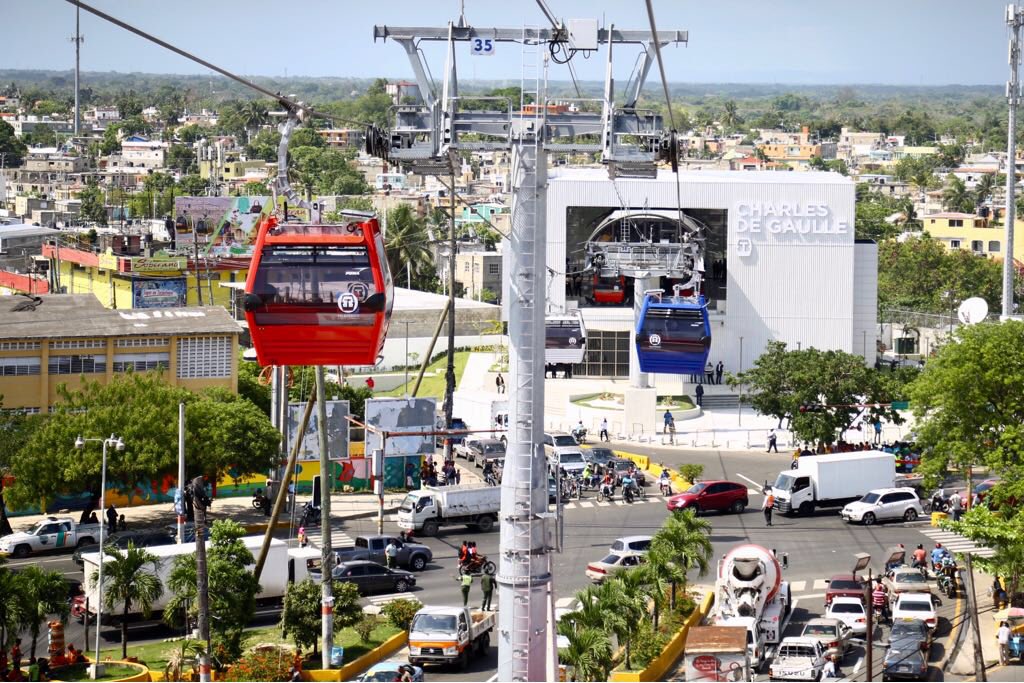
406, 245
233, 588
189, 134
682, 544
782, 381
955, 196
627, 592
256, 189
12, 607
300, 618
41, 136
192, 185
874, 211
12, 149
951, 156
1002, 530
225, 433
589, 654
43, 593
264, 145
984, 188
93, 204
131, 580
254, 115
181, 157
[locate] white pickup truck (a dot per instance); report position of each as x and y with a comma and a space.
446, 635
51, 533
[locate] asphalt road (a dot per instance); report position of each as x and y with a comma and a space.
816, 547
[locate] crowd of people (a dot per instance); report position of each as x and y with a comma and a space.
38, 668
430, 476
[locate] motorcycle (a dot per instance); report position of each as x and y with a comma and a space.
665, 487
948, 585
605, 493
477, 565
310, 515
940, 502
580, 434
261, 502
570, 488
633, 491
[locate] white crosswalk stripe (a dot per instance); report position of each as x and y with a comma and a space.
339, 539
586, 504
820, 584
603, 503
798, 586
956, 543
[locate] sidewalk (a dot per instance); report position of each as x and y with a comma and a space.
239, 509
963, 665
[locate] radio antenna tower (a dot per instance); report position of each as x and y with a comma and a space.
424, 138
77, 39
1014, 21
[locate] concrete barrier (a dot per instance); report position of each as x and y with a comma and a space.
361, 664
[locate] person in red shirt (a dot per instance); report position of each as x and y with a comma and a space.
920, 557
369, 383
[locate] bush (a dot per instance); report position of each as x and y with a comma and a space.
399, 613
647, 644
365, 626
269, 664
691, 473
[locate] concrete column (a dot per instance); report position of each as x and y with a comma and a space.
638, 379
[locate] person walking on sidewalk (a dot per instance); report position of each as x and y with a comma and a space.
604, 430
466, 581
672, 431
699, 392
499, 383
487, 584
1003, 636
956, 506
767, 506
773, 440
668, 418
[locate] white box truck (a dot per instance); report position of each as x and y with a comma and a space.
428, 509
832, 480
483, 410
284, 565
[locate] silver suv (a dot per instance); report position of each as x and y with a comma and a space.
880, 504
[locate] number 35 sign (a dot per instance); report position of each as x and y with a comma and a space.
482, 47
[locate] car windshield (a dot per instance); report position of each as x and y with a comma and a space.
444, 623
696, 488
870, 498
844, 585
904, 629
408, 503
910, 577
600, 454
914, 606
819, 630
847, 608
571, 459
564, 440
784, 482
611, 559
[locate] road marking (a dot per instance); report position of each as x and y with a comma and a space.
603, 503
954, 634
820, 584
798, 586
858, 666
586, 504
741, 476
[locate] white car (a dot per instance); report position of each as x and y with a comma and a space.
916, 606
851, 612
798, 659
609, 564
833, 634
881, 504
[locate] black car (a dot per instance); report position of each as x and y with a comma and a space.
907, 656
620, 466
598, 456
141, 538
371, 577
489, 449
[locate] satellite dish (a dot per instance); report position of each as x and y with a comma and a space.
972, 310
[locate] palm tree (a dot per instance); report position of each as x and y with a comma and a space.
407, 243
42, 593
11, 607
626, 593
129, 584
729, 118
589, 653
254, 114
685, 541
661, 570
955, 196
983, 190
923, 179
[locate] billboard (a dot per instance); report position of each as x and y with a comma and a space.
162, 293
224, 226
401, 415
309, 443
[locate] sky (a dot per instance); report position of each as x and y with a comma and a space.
903, 42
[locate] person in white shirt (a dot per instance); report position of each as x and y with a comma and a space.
956, 506
829, 670
1003, 636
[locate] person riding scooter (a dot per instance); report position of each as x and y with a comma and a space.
629, 487
665, 482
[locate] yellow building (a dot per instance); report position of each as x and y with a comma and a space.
145, 281
234, 170
971, 232
66, 339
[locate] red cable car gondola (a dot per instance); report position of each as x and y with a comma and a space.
319, 294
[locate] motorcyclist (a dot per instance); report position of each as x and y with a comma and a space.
608, 485
628, 483
920, 557
579, 432
665, 482
938, 552
880, 600
489, 473
588, 475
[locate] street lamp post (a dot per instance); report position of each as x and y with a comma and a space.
96, 670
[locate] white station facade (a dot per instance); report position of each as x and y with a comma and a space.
780, 260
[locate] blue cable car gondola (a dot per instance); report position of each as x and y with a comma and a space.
673, 334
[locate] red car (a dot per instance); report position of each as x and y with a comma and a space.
845, 586
723, 496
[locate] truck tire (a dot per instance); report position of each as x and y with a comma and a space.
485, 523
463, 661
868, 519
84, 541
417, 563
430, 527
806, 509
20, 551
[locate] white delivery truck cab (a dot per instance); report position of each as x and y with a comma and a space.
428, 509
832, 480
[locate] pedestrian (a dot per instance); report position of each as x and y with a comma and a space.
33, 669
487, 584
466, 581
291, 496
668, 418
410, 476
773, 441
499, 383
699, 391
391, 554
370, 383
672, 432
956, 506
709, 373
1003, 636
719, 369
829, 670
604, 429
769, 503
111, 519
303, 541
878, 431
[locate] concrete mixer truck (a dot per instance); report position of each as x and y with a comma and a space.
750, 592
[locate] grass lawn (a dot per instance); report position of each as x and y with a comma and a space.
155, 655
80, 672
433, 383
675, 403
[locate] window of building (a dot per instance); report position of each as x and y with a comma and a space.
204, 357
141, 362
956, 223
65, 344
466, 267
494, 269
607, 355
976, 246
993, 246
76, 365
15, 366
954, 244
137, 342
19, 346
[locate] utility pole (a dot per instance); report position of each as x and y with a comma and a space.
200, 502
449, 375
77, 39
972, 610
326, 556
1014, 20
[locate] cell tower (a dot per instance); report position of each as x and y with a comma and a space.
424, 138
77, 39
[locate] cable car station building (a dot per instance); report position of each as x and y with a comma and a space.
780, 261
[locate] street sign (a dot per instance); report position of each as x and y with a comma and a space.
481, 47
901, 405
